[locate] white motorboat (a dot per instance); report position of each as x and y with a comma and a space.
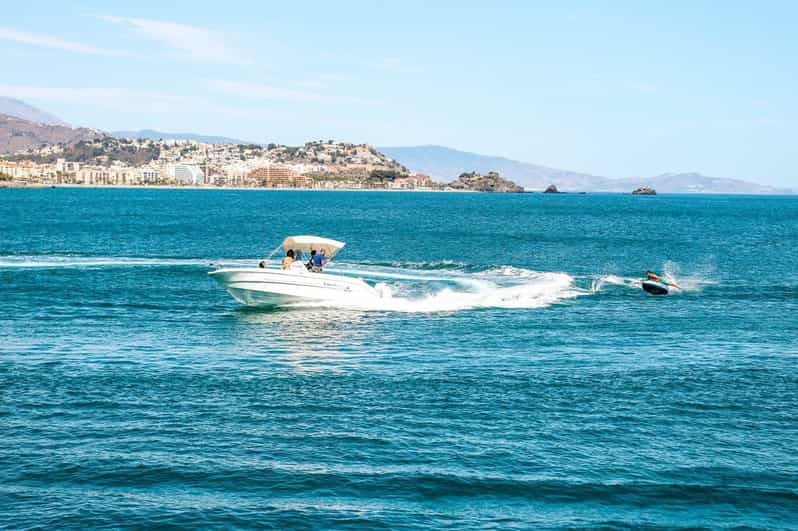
275, 286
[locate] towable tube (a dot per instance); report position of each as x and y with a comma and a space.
655, 288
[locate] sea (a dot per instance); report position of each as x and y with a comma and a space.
512, 374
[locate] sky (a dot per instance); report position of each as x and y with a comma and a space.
611, 88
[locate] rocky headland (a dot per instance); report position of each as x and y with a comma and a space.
489, 182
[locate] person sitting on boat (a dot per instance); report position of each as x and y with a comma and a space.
309, 265
319, 260
657, 278
288, 259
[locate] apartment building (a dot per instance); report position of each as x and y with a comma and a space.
277, 176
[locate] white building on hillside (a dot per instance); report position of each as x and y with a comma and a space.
188, 174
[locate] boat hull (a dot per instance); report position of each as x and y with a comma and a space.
251, 297
276, 287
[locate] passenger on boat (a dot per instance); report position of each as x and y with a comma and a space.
309, 265
288, 259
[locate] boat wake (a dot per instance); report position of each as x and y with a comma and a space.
408, 286
446, 290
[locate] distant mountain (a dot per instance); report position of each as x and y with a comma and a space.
20, 109
150, 134
17, 134
446, 164
697, 183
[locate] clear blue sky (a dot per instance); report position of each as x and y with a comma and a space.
610, 88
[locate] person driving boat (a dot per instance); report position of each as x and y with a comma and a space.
319, 260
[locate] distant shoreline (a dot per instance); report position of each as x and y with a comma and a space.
23, 186
237, 188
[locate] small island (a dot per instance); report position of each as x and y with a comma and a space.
644, 190
490, 182
551, 189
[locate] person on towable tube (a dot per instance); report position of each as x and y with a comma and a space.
650, 275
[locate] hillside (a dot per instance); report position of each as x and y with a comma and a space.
335, 157
446, 164
24, 111
100, 151
150, 134
338, 164
17, 134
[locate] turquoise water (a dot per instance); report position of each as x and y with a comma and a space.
513, 375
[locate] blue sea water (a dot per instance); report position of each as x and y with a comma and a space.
513, 376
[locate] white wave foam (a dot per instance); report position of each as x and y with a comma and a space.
537, 290
614, 280
694, 281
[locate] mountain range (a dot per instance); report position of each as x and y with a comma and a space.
446, 164
17, 134
20, 109
23, 126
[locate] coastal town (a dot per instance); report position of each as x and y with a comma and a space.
39, 150
109, 161
43, 152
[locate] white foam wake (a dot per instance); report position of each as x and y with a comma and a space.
400, 288
695, 280
614, 280
518, 288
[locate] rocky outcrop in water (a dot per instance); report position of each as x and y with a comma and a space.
551, 189
490, 182
644, 190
